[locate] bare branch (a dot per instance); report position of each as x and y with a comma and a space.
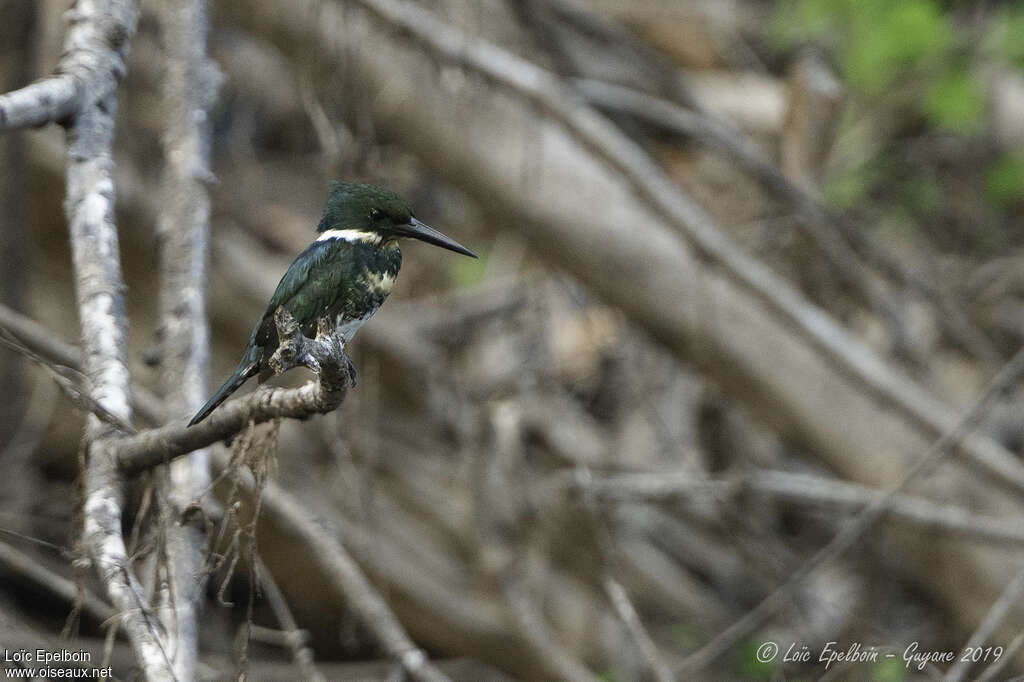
49, 348
58, 585
326, 550
189, 88
294, 638
95, 47
42, 341
852, 532
627, 612
325, 355
988, 626
70, 381
99, 291
646, 179
89, 71
801, 489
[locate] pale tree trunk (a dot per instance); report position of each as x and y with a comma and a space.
189, 89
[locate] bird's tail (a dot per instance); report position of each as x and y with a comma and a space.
248, 367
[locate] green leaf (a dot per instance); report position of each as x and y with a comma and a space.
955, 102
886, 39
797, 20
1004, 182
1006, 35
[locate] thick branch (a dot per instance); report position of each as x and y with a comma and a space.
89, 71
189, 87
300, 403
325, 355
838, 238
99, 287
94, 58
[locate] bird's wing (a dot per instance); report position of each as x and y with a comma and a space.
312, 283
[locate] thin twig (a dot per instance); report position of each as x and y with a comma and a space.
72, 383
345, 577
1009, 655
56, 584
624, 607
851, 533
294, 638
50, 349
987, 628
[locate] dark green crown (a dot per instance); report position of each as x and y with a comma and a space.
359, 206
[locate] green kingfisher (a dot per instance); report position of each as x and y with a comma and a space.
344, 275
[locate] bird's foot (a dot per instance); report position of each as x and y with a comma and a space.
327, 334
325, 355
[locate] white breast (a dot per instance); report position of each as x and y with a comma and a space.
348, 328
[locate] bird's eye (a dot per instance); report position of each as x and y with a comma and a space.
376, 214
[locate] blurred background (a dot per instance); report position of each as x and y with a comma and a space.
742, 261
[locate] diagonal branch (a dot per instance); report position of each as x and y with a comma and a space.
48, 348
348, 580
852, 532
89, 71
325, 355
158, 446
599, 137
837, 238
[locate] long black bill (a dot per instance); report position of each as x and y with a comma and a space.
425, 233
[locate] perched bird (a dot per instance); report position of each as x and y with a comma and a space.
344, 275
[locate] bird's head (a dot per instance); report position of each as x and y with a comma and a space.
356, 209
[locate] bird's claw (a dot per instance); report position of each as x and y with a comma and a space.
311, 363
350, 367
